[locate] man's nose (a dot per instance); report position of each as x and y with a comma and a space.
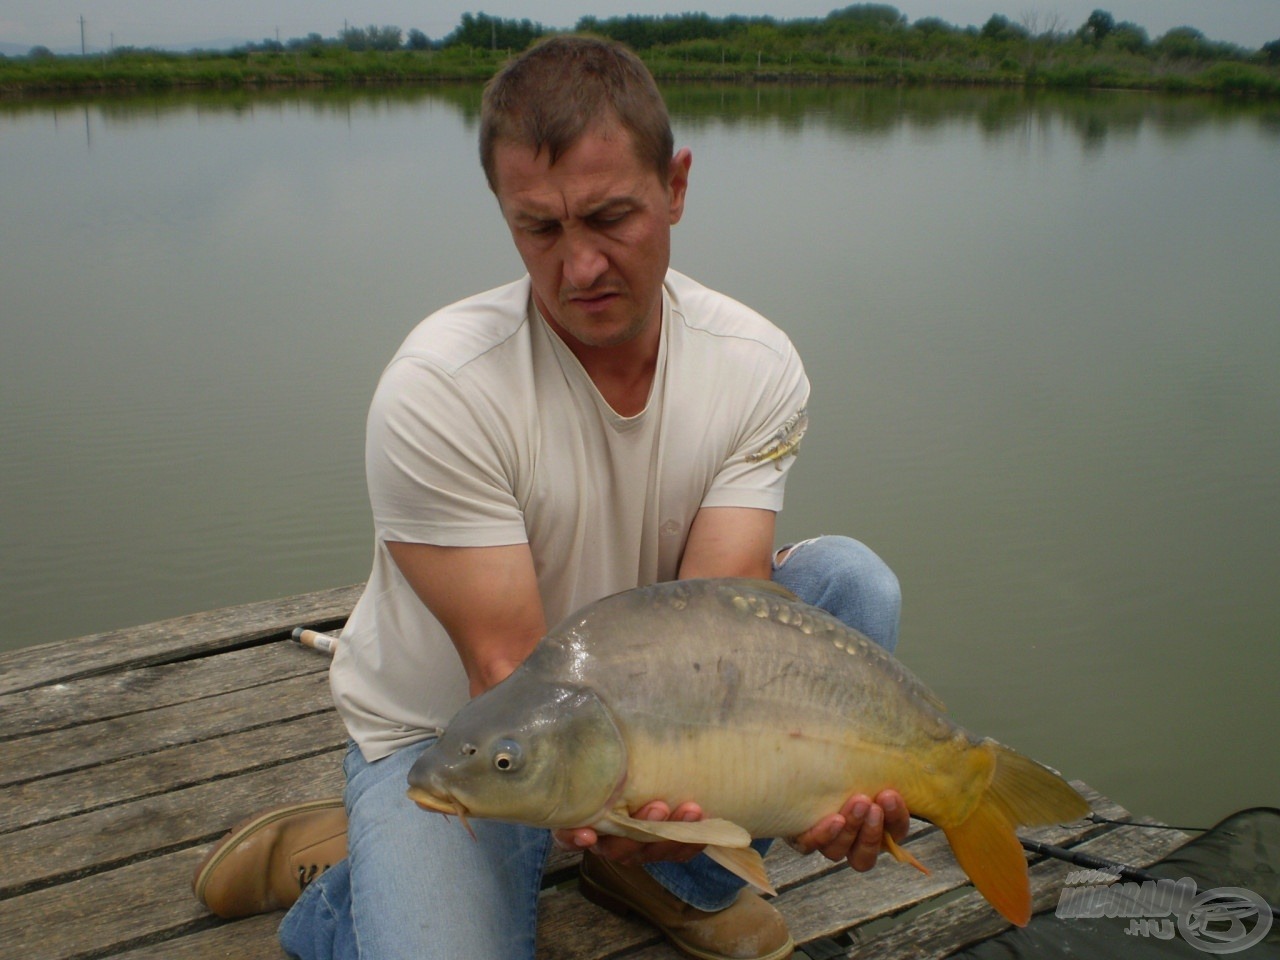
584, 261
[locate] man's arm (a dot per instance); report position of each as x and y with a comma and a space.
485, 597
729, 542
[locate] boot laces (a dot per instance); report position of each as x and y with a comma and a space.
308, 872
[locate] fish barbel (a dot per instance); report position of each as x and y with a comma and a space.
765, 711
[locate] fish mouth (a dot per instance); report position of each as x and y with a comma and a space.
436, 804
447, 806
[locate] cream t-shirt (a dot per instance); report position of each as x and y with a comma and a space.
485, 430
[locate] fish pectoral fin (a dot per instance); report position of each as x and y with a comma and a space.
744, 862
724, 842
717, 833
902, 856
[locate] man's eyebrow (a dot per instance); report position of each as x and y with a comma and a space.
539, 214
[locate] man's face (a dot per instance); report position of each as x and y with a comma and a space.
594, 232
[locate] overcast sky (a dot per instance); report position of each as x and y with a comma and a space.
56, 23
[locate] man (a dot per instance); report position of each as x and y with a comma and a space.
600, 424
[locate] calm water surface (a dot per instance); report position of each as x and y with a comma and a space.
1044, 337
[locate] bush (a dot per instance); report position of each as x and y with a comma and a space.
1239, 79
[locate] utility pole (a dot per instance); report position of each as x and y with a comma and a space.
82, 34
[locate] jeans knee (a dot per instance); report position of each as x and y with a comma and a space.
849, 580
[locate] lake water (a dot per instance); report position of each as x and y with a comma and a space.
1043, 332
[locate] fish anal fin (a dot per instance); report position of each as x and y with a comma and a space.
719, 833
744, 862
902, 856
988, 850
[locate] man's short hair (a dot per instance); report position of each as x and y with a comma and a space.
558, 89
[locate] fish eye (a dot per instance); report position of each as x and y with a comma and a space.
507, 756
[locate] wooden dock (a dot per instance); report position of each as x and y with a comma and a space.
123, 755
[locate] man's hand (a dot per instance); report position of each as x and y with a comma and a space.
855, 833
633, 852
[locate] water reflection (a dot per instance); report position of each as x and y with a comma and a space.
858, 110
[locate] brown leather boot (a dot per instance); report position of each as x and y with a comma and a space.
748, 929
266, 861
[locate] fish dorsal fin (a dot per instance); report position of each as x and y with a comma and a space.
719, 833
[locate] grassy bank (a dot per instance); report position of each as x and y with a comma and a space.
158, 70
152, 70
867, 43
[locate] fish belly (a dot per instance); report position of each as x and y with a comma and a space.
775, 783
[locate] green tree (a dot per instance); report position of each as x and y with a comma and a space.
311, 43
484, 31
1183, 43
1098, 27
932, 25
1130, 38
1002, 28
870, 15
371, 38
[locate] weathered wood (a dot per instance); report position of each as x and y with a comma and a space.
105, 912
110, 784
127, 832
169, 640
92, 744
253, 938
139, 689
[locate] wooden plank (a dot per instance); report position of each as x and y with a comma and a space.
93, 744
969, 919
109, 784
104, 838
253, 938
168, 640
106, 911
134, 690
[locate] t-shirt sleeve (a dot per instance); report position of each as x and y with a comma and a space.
773, 395
438, 470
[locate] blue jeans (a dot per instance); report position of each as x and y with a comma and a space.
416, 886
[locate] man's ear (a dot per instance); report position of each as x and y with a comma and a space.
678, 182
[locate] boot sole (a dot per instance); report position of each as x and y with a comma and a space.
243, 829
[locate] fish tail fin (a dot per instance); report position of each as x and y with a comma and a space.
1021, 793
